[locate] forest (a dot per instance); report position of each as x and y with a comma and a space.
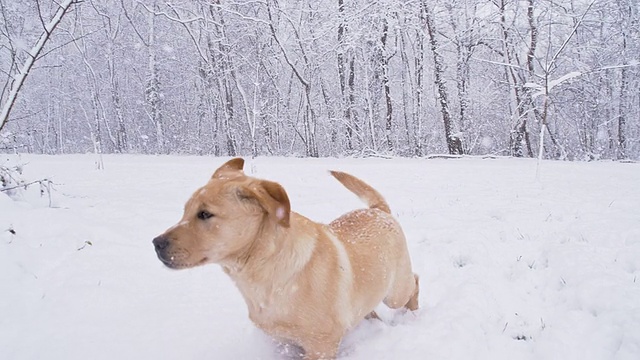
322, 78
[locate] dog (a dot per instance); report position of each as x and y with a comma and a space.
303, 282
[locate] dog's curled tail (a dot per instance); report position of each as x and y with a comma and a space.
365, 192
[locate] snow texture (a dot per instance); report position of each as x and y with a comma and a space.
512, 266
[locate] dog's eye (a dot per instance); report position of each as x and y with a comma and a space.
204, 215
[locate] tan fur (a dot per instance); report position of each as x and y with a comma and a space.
303, 282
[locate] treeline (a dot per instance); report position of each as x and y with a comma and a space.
326, 77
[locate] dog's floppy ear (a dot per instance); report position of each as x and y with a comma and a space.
271, 197
232, 166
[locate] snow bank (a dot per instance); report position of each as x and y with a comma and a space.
512, 266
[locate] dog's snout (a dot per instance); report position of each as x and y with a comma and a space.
161, 242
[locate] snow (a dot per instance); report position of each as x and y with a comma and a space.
552, 83
512, 266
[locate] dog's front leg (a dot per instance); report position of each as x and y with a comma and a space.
321, 348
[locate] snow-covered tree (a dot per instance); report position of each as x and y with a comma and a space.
326, 78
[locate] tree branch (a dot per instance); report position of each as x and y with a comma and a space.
64, 6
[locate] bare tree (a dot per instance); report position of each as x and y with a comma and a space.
631, 19
309, 113
346, 73
454, 144
16, 80
385, 57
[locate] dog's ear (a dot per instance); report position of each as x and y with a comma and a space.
272, 198
232, 166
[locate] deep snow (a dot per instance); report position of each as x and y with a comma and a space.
512, 265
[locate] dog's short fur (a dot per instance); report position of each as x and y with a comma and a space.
303, 282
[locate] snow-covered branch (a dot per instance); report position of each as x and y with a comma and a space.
33, 54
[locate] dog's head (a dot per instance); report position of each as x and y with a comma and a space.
223, 218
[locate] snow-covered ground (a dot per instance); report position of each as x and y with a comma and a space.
512, 265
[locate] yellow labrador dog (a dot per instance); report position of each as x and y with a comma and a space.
303, 282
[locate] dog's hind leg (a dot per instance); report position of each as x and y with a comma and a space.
404, 292
412, 304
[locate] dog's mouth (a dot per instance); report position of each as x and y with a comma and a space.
173, 256
170, 263
179, 262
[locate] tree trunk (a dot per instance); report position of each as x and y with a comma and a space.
344, 74
622, 115
630, 11
222, 65
463, 52
387, 88
454, 144
407, 86
152, 91
519, 139
122, 142
419, 64
309, 116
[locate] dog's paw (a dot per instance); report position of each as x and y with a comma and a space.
404, 316
289, 351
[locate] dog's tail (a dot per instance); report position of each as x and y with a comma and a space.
365, 192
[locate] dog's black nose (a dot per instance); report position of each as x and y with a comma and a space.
161, 242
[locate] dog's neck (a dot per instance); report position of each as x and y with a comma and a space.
269, 266
275, 255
